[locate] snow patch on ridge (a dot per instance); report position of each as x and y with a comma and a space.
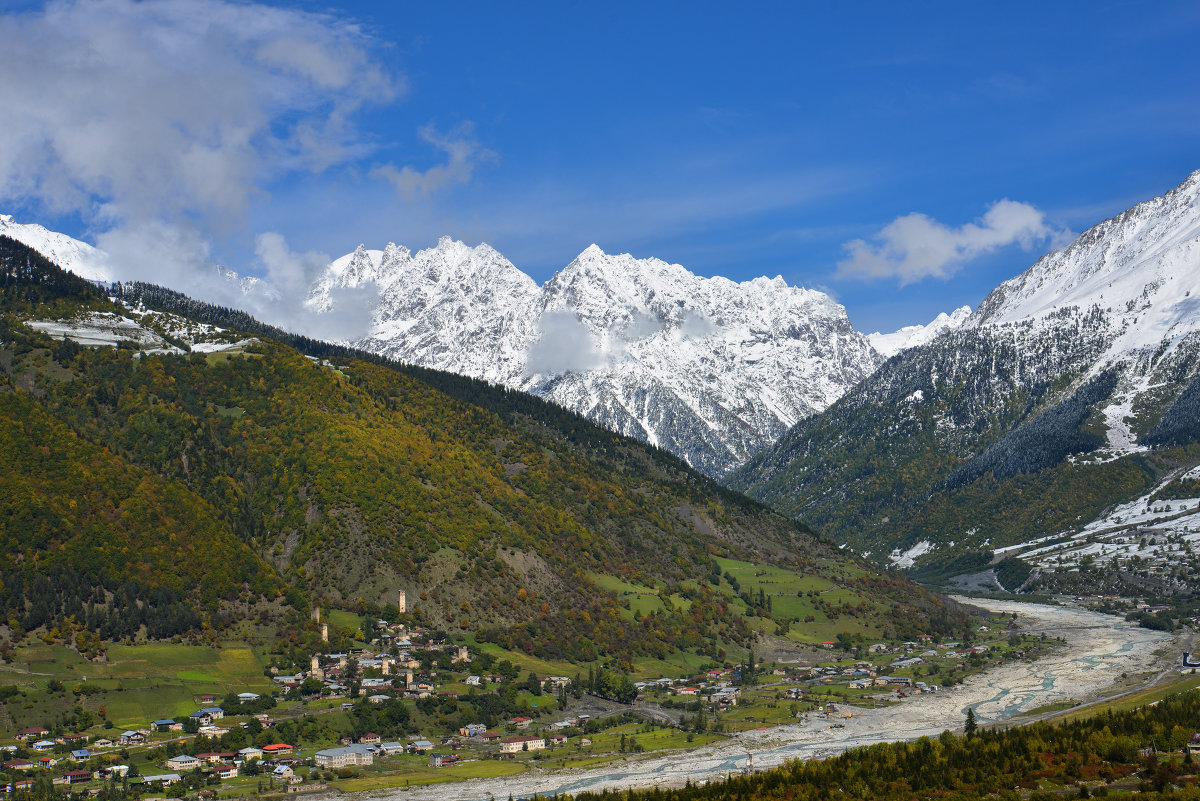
906, 559
100, 329
911, 336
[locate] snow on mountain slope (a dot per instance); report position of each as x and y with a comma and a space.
1054, 387
1131, 286
70, 254
707, 368
1139, 269
911, 336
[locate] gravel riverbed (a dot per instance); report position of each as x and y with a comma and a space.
1098, 650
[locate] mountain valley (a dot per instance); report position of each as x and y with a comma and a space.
1069, 392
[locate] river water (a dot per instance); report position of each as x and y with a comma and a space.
1099, 649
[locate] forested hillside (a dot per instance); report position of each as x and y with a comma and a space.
278, 471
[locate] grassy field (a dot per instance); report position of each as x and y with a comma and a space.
656, 739
402, 771
343, 620
526, 663
140, 682
795, 596
1124, 703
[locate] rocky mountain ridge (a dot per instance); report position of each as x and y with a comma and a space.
709, 369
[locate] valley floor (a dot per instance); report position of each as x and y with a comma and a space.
1102, 656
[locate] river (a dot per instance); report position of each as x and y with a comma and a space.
1099, 649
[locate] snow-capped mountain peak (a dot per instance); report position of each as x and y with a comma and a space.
70, 254
911, 336
1138, 270
706, 367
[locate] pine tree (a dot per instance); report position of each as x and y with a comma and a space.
971, 726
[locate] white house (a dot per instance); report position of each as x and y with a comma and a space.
343, 757
183, 762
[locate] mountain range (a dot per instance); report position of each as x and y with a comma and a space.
1072, 390
1067, 396
163, 453
706, 368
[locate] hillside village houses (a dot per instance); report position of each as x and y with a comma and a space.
402, 663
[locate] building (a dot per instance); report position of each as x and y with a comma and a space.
226, 771
32, 734
244, 698
78, 776
166, 724
370, 738
165, 778
344, 757
515, 745
276, 749
183, 762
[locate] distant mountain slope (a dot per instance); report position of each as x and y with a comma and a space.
911, 336
706, 368
1035, 417
70, 254
352, 478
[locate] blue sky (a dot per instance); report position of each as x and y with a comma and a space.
738, 141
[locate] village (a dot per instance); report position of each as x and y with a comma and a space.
403, 707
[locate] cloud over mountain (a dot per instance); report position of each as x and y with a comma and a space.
916, 246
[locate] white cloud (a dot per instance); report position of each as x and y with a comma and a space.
463, 155
565, 345
174, 109
285, 268
916, 246
279, 300
160, 123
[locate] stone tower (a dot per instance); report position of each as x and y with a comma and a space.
324, 632
400, 602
